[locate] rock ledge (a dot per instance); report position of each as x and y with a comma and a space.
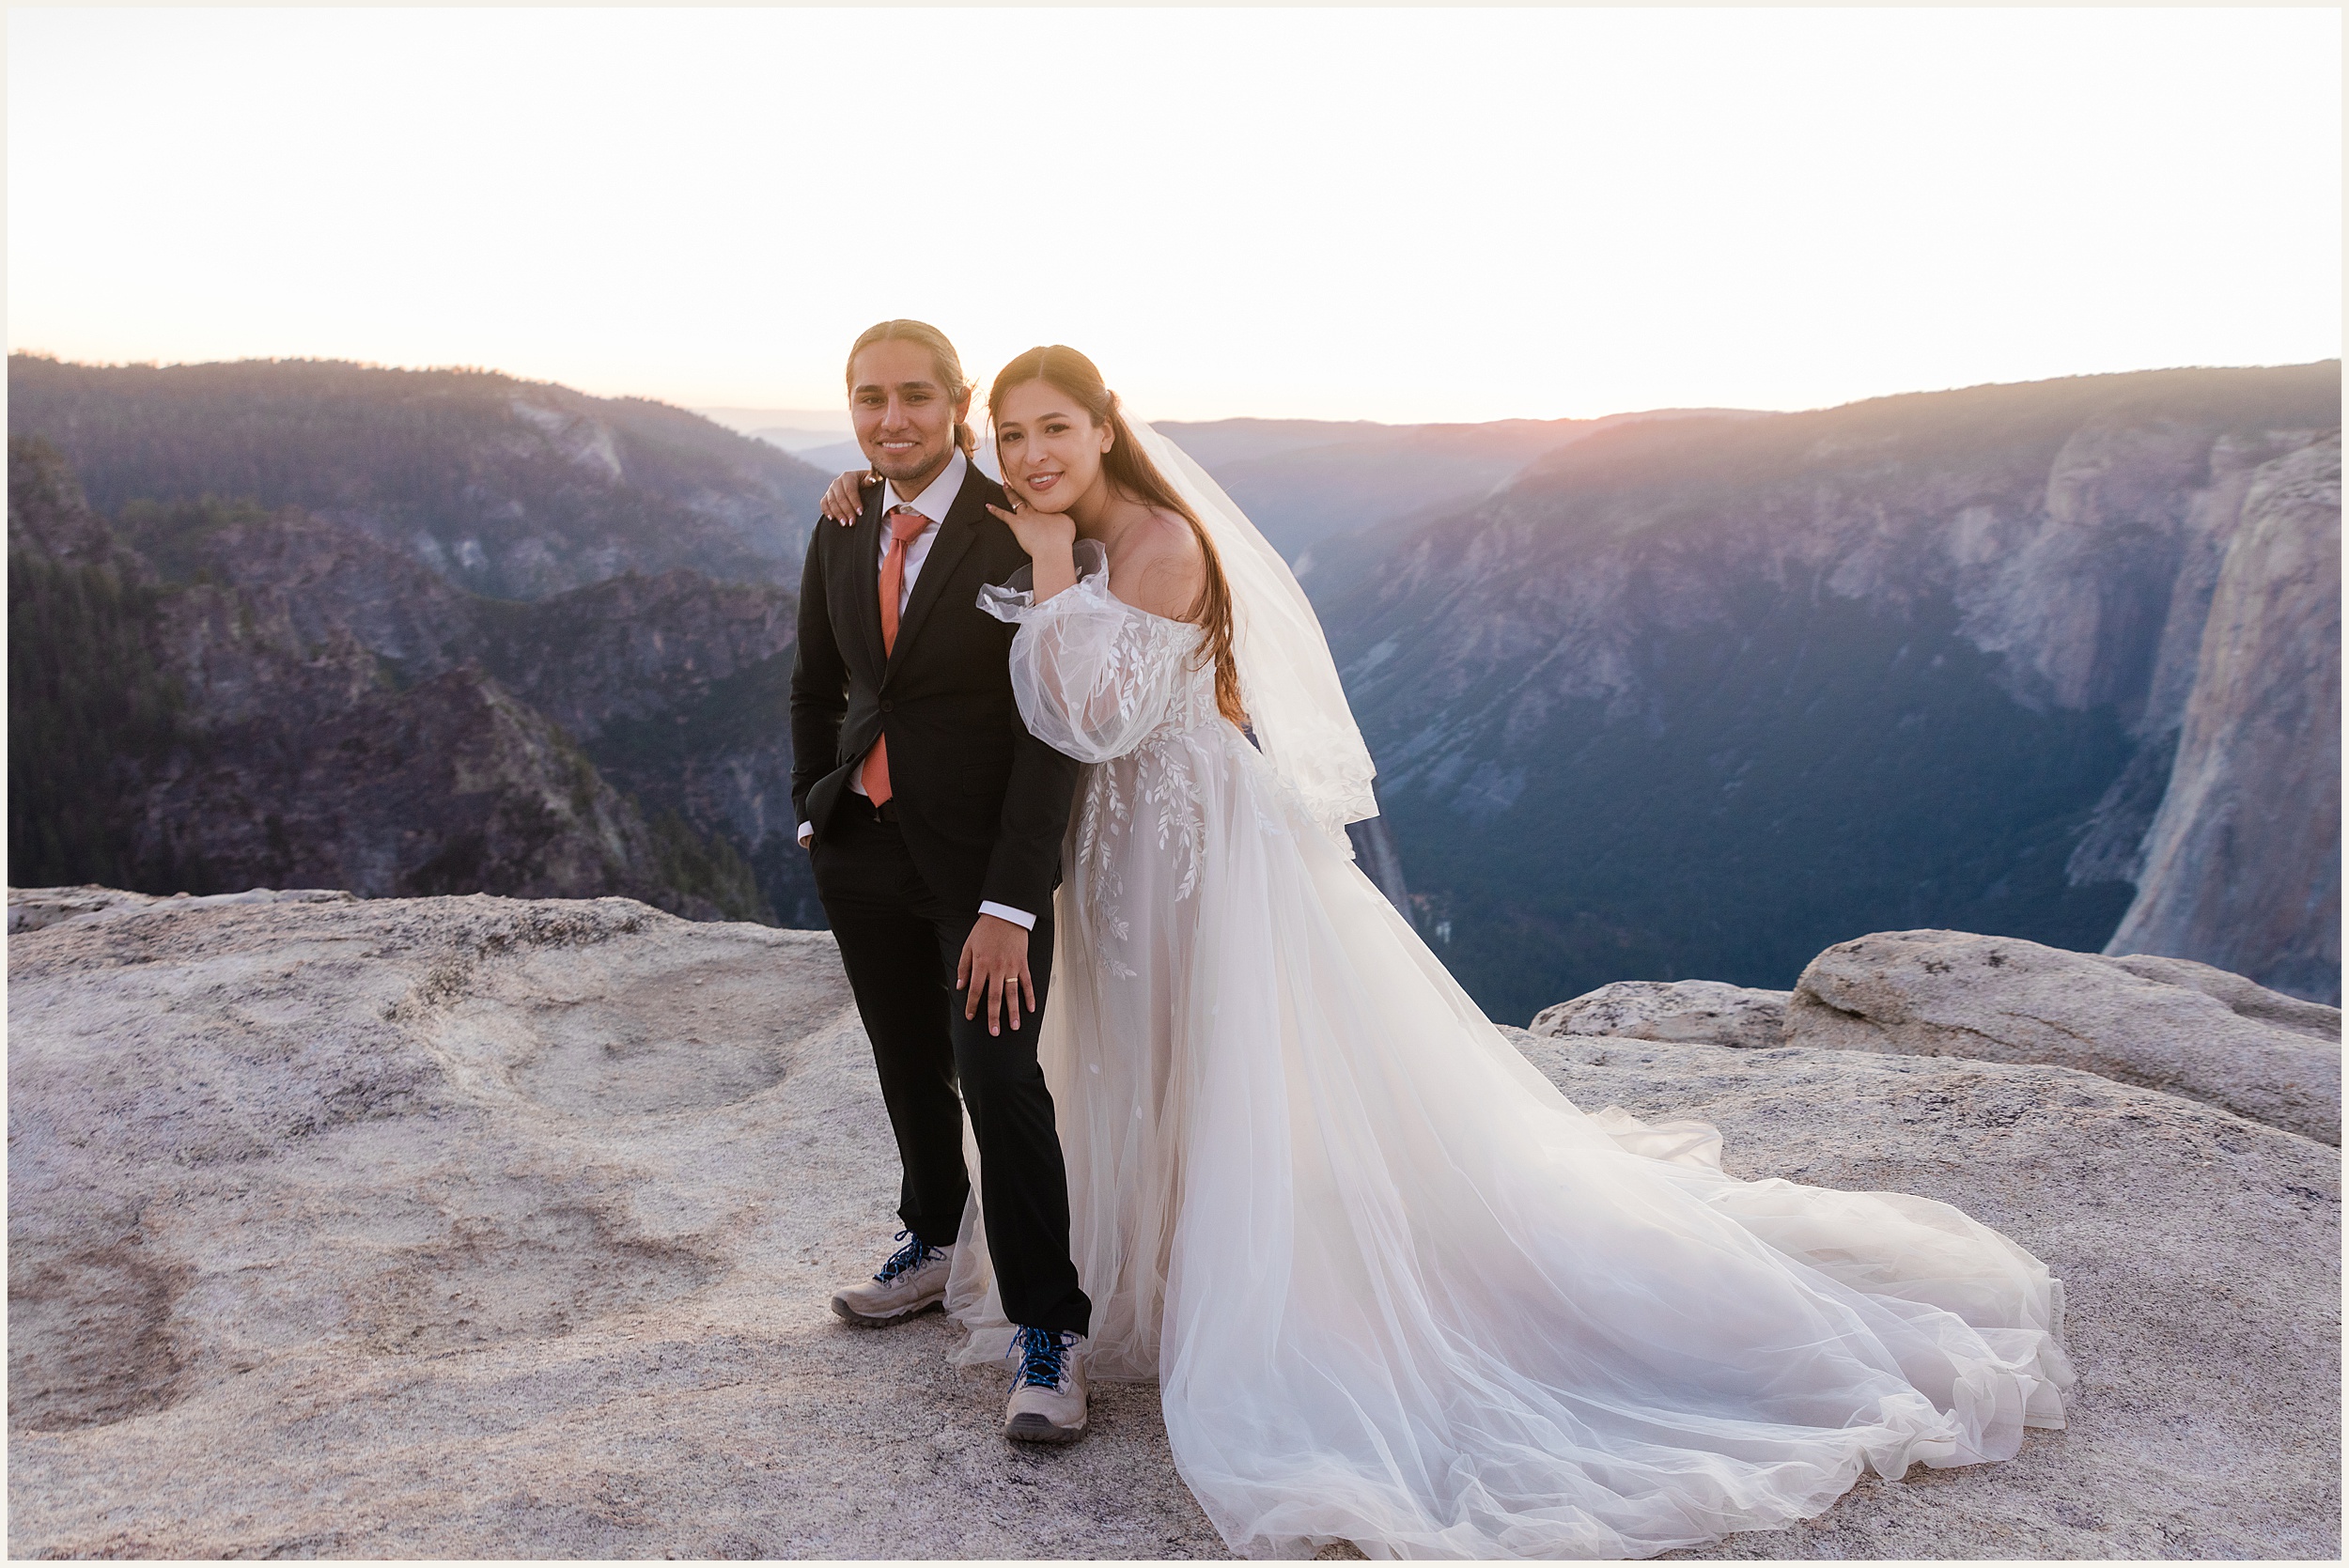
472, 1227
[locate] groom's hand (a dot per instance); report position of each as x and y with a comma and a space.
994, 968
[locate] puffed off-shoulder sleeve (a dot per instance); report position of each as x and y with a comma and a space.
1093, 674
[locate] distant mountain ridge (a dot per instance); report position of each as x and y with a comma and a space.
1917, 662
1304, 482
510, 489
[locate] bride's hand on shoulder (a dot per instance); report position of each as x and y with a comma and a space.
843, 503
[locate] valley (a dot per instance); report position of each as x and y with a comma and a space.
1673, 693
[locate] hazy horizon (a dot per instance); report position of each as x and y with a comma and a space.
1415, 216
751, 419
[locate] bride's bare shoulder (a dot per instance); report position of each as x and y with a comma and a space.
1161, 568
1167, 535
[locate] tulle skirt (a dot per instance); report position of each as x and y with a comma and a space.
1396, 1289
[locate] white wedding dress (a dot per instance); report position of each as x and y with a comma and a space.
1395, 1288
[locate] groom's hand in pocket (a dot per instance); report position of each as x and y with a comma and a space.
993, 973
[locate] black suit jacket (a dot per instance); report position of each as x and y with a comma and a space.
982, 803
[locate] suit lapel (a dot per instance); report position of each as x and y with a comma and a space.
864, 572
955, 535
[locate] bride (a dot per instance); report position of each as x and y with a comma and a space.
1395, 1288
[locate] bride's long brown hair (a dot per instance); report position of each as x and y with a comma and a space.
1133, 475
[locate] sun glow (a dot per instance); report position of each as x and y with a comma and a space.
1391, 214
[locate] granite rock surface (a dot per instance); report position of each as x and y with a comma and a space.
2200, 1258
474, 1227
2169, 1024
2242, 865
1689, 1010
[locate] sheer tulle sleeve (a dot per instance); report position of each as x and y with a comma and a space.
1093, 674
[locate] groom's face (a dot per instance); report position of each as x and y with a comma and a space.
905, 420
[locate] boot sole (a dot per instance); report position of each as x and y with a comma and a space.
1030, 1427
849, 1315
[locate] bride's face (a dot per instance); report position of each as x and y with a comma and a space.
1049, 446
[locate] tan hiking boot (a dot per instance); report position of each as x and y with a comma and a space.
913, 1279
1048, 1392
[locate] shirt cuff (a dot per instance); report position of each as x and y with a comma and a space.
807, 831
1021, 918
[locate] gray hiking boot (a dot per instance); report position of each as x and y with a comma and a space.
1048, 1392
913, 1280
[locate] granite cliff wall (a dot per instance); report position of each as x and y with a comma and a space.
1700, 696
2241, 866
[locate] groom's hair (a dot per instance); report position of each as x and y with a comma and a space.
1131, 471
942, 356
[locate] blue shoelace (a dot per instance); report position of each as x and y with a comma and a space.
913, 1255
1043, 1359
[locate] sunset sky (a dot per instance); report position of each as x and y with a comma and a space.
1385, 214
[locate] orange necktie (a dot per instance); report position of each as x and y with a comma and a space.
905, 526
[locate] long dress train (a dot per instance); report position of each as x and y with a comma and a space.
1396, 1289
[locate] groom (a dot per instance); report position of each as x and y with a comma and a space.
935, 820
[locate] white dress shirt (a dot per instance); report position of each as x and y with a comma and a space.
933, 502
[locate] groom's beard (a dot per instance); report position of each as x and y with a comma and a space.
909, 471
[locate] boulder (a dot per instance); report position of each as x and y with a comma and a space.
2245, 997
1694, 1010
472, 1227
2161, 1023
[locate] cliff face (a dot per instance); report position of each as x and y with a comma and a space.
2242, 865
451, 787
336, 717
679, 688
50, 518
1918, 661
88, 704
656, 556
511, 489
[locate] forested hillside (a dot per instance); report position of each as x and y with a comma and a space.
210, 696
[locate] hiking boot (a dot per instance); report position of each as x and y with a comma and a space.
913, 1279
1048, 1392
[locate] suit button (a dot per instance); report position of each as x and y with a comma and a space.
887, 705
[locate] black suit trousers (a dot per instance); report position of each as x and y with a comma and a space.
900, 945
